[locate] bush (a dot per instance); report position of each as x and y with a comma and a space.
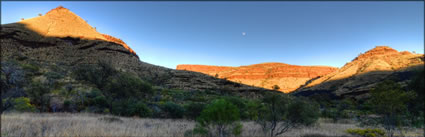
125, 85
240, 104
140, 109
193, 110
120, 107
275, 87
220, 115
130, 107
173, 110
280, 113
30, 68
389, 101
252, 110
300, 112
366, 132
38, 95
97, 75
22, 104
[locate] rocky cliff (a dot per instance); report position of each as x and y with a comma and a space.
63, 38
287, 77
357, 77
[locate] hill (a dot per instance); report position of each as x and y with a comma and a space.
356, 78
63, 38
287, 77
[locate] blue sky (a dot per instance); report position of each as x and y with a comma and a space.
211, 33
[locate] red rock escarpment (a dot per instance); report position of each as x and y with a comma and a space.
266, 75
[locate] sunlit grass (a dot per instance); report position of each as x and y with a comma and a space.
83, 124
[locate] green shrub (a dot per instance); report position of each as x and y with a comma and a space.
22, 104
30, 68
67, 104
252, 108
275, 87
129, 107
140, 109
37, 93
53, 75
100, 101
221, 115
390, 102
193, 110
366, 132
280, 113
119, 107
302, 112
172, 110
96, 74
240, 104
125, 86
96, 98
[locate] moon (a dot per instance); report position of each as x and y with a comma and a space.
243, 33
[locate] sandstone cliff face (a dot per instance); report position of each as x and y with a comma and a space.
266, 75
63, 38
357, 77
61, 22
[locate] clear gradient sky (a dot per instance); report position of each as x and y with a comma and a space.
211, 33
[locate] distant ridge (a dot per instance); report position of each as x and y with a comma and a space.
287, 77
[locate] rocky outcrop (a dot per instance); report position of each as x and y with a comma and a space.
357, 77
286, 77
61, 22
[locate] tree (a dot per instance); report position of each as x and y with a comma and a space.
140, 109
240, 104
389, 101
38, 93
220, 115
280, 113
97, 75
173, 110
12, 81
125, 85
193, 110
22, 104
275, 87
416, 106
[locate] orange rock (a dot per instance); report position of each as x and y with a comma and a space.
61, 22
266, 75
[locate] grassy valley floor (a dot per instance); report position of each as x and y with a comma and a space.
84, 124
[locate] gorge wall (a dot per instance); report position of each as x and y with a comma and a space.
287, 77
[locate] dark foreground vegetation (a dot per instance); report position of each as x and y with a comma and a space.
31, 86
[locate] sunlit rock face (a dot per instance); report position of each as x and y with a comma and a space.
286, 77
357, 77
61, 22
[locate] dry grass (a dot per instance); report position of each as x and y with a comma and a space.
82, 124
